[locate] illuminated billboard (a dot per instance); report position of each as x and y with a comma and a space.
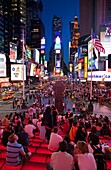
58, 63
34, 71
43, 43
36, 55
28, 52
57, 45
2, 65
71, 67
58, 70
17, 72
85, 67
13, 52
92, 57
99, 76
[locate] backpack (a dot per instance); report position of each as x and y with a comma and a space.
99, 157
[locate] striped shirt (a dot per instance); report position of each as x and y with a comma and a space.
12, 154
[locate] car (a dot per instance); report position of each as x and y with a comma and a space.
7, 97
9, 92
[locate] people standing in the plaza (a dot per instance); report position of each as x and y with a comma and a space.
69, 116
90, 107
48, 122
73, 107
54, 115
18, 104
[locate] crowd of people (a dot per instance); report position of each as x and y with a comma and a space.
72, 138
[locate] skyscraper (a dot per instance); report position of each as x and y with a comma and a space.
31, 14
57, 44
56, 28
1, 28
15, 23
35, 29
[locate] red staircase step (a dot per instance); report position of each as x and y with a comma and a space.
2, 162
36, 144
32, 149
37, 140
2, 147
7, 167
45, 145
34, 166
48, 159
3, 154
43, 150
38, 157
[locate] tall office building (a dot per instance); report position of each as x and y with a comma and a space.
31, 14
94, 13
57, 44
37, 32
56, 28
1, 28
15, 23
35, 29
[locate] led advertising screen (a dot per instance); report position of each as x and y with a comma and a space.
82, 51
58, 70
34, 71
28, 52
43, 43
13, 52
92, 57
36, 55
17, 72
85, 67
57, 43
2, 65
99, 76
58, 63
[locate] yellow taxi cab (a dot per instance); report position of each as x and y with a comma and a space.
6, 97
9, 92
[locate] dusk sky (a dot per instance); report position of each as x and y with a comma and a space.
66, 9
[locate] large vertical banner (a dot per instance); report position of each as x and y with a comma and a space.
13, 52
2, 65
85, 67
92, 57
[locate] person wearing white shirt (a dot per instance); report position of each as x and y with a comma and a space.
30, 129
54, 141
84, 159
61, 160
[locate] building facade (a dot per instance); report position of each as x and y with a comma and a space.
94, 13
1, 28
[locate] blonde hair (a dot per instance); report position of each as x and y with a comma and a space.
12, 138
82, 146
